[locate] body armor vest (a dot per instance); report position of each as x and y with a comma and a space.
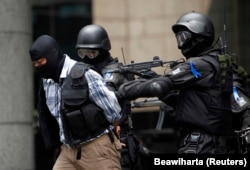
212, 111
81, 118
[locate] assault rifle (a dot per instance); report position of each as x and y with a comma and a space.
143, 69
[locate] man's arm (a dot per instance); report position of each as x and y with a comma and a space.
103, 97
156, 87
47, 123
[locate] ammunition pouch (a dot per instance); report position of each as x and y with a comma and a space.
75, 122
86, 122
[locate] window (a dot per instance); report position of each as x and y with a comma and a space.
63, 21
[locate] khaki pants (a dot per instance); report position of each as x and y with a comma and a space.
99, 154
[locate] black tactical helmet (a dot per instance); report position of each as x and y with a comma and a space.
196, 23
194, 34
93, 36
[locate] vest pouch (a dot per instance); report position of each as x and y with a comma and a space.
76, 123
96, 121
75, 97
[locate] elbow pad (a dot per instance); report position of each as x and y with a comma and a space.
131, 90
157, 87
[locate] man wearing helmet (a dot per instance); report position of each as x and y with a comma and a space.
204, 82
93, 46
241, 110
240, 94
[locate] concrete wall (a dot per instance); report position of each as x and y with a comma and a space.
143, 27
243, 27
16, 86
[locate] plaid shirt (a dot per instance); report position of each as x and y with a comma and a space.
98, 93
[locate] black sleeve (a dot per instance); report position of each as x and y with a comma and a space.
183, 76
48, 124
156, 87
171, 98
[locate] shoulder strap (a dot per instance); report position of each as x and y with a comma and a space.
77, 74
226, 73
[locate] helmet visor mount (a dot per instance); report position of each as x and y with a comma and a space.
183, 37
90, 53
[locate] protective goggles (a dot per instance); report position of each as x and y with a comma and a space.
183, 37
90, 53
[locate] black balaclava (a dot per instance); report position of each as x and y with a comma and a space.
46, 46
100, 61
195, 47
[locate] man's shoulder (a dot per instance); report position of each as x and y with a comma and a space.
82, 64
114, 63
79, 68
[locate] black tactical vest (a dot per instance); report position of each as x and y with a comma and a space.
81, 118
212, 105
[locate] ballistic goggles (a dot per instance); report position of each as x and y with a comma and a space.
183, 37
90, 53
